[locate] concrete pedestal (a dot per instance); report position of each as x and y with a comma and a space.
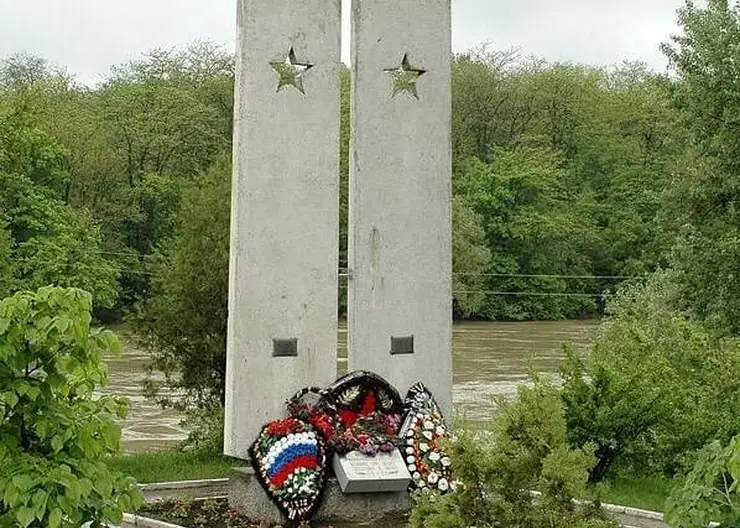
369, 509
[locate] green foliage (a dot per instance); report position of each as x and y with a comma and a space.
594, 145
55, 432
470, 258
662, 380
527, 218
22, 71
656, 386
50, 243
205, 426
184, 320
7, 274
130, 145
526, 449
711, 491
703, 201
603, 409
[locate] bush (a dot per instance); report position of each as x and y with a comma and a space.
206, 429
526, 449
657, 385
55, 434
604, 409
711, 491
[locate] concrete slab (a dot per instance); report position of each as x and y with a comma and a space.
284, 231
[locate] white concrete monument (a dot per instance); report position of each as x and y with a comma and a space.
282, 329
400, 194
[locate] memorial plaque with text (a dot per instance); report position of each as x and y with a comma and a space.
360, 473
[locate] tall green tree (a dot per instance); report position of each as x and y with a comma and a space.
185, 317
50, 242
703, 202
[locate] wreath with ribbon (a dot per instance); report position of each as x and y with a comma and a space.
424, 434
289, 461
368, 413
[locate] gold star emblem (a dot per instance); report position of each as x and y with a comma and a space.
405, 77
290, 72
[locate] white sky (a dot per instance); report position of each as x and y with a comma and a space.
89, 36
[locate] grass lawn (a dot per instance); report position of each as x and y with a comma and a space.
171, 465
647, 493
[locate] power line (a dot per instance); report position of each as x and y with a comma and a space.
529, 294
524, 276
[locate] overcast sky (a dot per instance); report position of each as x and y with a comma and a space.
88, 36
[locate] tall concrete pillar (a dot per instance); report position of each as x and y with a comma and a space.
282, 327
400, 299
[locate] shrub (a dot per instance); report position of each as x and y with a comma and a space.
526, 449
605, 409
657, 385
711, 491
55, 435
205, 424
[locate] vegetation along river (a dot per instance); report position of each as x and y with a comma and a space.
489, 358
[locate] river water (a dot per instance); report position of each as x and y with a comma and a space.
490, 358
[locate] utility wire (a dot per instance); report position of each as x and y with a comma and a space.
522, 276
529, 294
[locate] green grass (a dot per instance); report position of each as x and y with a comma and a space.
647, 493
170, 465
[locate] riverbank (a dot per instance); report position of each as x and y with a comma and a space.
647, 493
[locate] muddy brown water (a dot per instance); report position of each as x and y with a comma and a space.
490, 358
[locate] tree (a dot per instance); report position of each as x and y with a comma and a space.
470, 259
655, 386
488, 108
50, 242
703, 202
531, 229
526, 449
21, 71
184, 319
55, 432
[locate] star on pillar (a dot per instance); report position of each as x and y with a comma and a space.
405, 77
290, 72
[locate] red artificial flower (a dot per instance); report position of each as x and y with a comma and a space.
323, 424
284, 427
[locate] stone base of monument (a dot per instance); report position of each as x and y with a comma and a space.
371, 509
